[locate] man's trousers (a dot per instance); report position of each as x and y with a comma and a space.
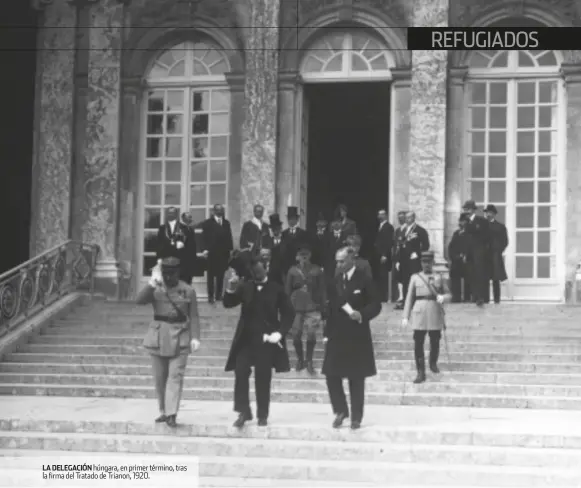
339, 401
168, 374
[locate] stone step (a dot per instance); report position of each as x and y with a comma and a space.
415, 396
219, 361
398, 345
376, 385
401, 373
378, 473
489, 354
379, 452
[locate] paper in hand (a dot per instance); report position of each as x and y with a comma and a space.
348, 309
265, 337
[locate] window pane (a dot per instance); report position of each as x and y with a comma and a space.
547, 191
497, 166
313, 65
173, 170
379, 63
153, 147
172, 194
220, 100
547, 92
526, 117
524, 242
497, 118
524, 267
150, 242
336, 64
498, 92
501, 60
199, 171
152, 194
525, 167
175, 101
198, 214
544, 267
179, 69
200, 147
219, 124
497, 142
526, 93
477, 191
358, 64
200, 124
546, 141
525, 217
478, 142
201, 102
155, 101
545, 217
219, 147
478, 92
218, 170
477, 167
174, 124
526, 142
153, 171
547, 167
547, 59
501, 216
198, 195
546, 116
544, 242
152, 218
155, 124
149, 263
218, 194
525, 192
524, 60
478, 117
497, 191
173, 147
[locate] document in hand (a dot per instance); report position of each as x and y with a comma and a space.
348, 309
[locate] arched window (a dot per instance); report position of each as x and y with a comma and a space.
514, 149
347, 55
186, 137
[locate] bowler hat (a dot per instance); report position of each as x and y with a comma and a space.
427, 256
491, 208
463, 217
469, 205
170, 263
275, 220
292, 212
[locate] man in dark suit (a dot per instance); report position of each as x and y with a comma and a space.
219, 243
176, 240
382, 262
399, 239
353, 303
266, 317
293, 238
458, 255
415, 242
337, 240
254, 232
274, 244
478, 256
321, 243
348, 226
498, 244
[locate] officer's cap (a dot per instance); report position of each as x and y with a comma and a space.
428, 256
170, 263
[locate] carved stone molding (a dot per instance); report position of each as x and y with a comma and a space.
235, 80
401, 76
571, 73
457, 76
289, 80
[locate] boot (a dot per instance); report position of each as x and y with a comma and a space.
421, 367
310, 353
434, 355
300, 358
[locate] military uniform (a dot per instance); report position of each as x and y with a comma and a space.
175, 323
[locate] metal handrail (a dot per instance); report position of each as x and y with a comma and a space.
30, 287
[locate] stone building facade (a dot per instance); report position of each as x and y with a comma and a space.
151, 103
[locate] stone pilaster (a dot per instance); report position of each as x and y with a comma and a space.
427, 170
572, 75
258, 175
102, 139
455, 176
53, 140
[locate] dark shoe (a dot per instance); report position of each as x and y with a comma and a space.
211, 300
262, 422
171, 421
355, 425
242, 419
480, 303
162, 418
300, 357
310, 353
311, 368
339, 418
399, 306
434, 368
300, 365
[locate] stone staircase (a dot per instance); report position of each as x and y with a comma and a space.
84, 386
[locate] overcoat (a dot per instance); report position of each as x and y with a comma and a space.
254, 237
421, 308
271, 312
218, 242
498, 243
349, 351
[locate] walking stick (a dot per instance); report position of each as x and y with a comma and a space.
446, 345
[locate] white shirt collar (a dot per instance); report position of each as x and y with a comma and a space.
349, 273
381, 223
257, 222
472, 217
218, 219
172, 224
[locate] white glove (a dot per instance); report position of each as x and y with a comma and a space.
404, 322
195, 344
397, 266
383, 259
156, 277
180, 245
414, 256
275, 337
325, 340
440, 299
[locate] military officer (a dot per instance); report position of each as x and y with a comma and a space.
171, 336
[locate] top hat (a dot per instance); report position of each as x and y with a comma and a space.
275, 220
469, 205
491, 208
292, 212
463, 217
427, 256
170, 263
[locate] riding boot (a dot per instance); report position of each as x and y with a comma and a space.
421, 367
310, 353
300, 358
434, 354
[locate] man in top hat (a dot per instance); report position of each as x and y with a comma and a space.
306, 286
275, 244
399, 240
293, 238
353, 303
458, 250
259, 341
348, 226
218, 244
477, 229
254, 232
321, 242
498, 244
171, 336
382, 264
416, 241
424, 305
175, 239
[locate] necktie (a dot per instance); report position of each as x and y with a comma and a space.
293, 231
220, 221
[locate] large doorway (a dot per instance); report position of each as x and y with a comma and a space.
348, 152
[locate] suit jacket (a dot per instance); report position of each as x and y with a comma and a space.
415, 242
186, 255
334, 245
479, 232
171, 339
218, 242
349, 351
398, 242
252, 236
349, 227
275, 272
265, 312
321, 249
498, 244
458, 251
384, 242
291, 245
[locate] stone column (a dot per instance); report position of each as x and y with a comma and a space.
455, 176
572, 75
258, 176
428, 127
53, 140
101, 163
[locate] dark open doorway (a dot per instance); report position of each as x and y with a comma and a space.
348, 156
